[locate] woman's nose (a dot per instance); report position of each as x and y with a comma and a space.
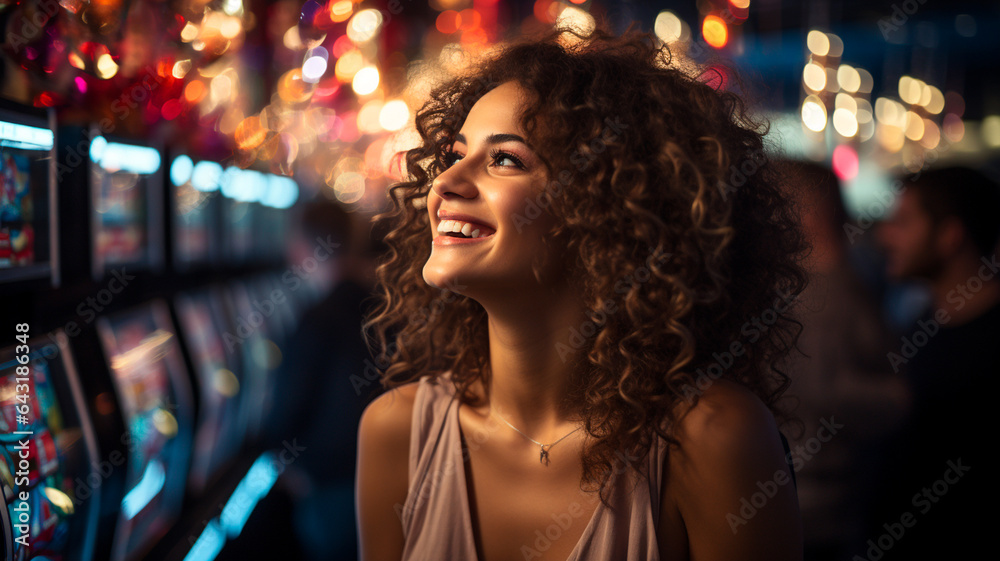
455, 182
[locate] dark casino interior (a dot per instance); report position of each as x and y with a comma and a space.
187, 194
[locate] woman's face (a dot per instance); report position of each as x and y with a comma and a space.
489, 189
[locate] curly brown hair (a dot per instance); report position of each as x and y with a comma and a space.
683, 171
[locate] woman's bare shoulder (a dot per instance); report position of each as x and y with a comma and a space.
388, 418
382, 481
729, 448
726, 412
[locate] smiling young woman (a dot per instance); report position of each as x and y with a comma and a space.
563, 321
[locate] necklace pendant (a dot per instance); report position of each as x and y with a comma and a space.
543, 456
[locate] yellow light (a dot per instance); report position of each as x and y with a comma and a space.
914, 126
715, 32
890, 112
845, 123
742, 4
889, 137
231, 118
61, 501
836, 46
106, 67
349, 187
368, 116
818, 43
814, 76
292, 88
936, 102
341, 10
226, 383
291, 39
814, 114
990, 129
348, 65
221, 89
848, 78
364, 25
910, 89
165, 422
846, 101
866, 81
76, 61
365, 81
667, 26
189, 32
181, 68
932, 135
249, 133
394, 115
230, 27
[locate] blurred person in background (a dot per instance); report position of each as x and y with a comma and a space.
937, 493
320, 373
843, 391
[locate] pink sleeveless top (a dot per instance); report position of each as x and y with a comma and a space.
436, 518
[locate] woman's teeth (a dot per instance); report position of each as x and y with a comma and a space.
458, 227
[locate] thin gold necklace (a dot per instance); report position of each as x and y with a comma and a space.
543, 455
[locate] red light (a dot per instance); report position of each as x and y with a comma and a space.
845, 162
448, 22
171, 109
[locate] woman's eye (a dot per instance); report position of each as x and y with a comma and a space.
450, 158
499, 155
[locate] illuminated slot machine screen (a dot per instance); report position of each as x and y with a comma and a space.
27, 203
213, 351
47, 450
153, 389
126, 222
195, 198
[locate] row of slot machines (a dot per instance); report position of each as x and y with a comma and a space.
129, 202
143, 320
98, 463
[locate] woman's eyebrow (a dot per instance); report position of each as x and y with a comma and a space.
495, 138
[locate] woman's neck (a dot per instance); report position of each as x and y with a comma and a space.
533, 361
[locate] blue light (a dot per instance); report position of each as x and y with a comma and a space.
97, 147
209, 543
254, 186
180, 170
148, 487
282, 192
206, 176
113, 156
254, 486
16, 135
229, 180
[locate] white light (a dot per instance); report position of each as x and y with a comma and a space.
394, 115
313, 69
206, 176
814, 114
365, 81
24, 136
113, 157
845, 123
